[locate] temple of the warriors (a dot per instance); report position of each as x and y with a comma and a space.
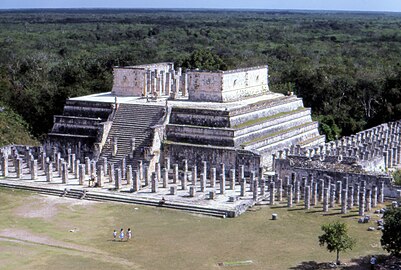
213, 143
154, 112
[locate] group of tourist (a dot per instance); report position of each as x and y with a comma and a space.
128, 235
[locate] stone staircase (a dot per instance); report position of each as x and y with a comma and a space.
132, 121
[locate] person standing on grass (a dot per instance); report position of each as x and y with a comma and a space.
129, 234
114, 235
121, 235
373, 261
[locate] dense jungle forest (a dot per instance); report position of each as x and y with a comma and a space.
345, 66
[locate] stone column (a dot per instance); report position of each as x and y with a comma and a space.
43, 161
4, 165
185, 165
117, 178
34, 169
184, 181
58, 157
105, 166
356, 194
194, 175
204, 168
213, 177
361, 203
374, 196
241, 172
255, 192
93, 169
202, 182
339, 189
222, 183
72, 163
146, 175
192, 191
129, 174
165, 177
325, 200
175, 173
18, 168
280, 189
49, 172
289, 195
252, 179
350, 197
87, 166
381, 192
60, 163
232, 179
297, 191
64, 172
321, 190
76, 170
123, 168
272, 187
140, 170
100, 176
314, 194
136, 186
155, 182
167, 163
343, 201
262, 186
243, 187
158, 171
368, 200
111, 173
307, 197
81, 172
332, 195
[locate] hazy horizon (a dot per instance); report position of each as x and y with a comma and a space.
307, 5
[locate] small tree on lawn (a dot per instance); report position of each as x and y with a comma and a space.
391, 238
336, 238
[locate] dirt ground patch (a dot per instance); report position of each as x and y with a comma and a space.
46, 207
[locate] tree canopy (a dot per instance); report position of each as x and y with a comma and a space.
391, 238
336, 238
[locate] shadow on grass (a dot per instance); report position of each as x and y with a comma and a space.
295, 209
278, 206
350, 216
360, 263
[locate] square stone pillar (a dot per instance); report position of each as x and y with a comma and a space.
49, 172
129, 174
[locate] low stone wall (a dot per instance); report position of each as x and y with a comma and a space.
214, 156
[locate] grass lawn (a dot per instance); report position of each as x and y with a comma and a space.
40, 232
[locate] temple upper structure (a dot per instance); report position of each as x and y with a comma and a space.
161, 79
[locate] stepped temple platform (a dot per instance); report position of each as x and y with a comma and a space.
212, 143
196, 138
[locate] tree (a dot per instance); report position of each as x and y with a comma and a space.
391, 238
336, 238
204, 59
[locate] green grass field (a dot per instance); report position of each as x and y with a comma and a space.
40, 232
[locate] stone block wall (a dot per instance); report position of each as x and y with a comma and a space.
128, 82
226, 86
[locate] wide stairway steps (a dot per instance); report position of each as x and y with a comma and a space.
132, 121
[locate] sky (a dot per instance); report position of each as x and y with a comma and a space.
352, 5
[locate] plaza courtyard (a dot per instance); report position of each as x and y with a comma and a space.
49, 232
